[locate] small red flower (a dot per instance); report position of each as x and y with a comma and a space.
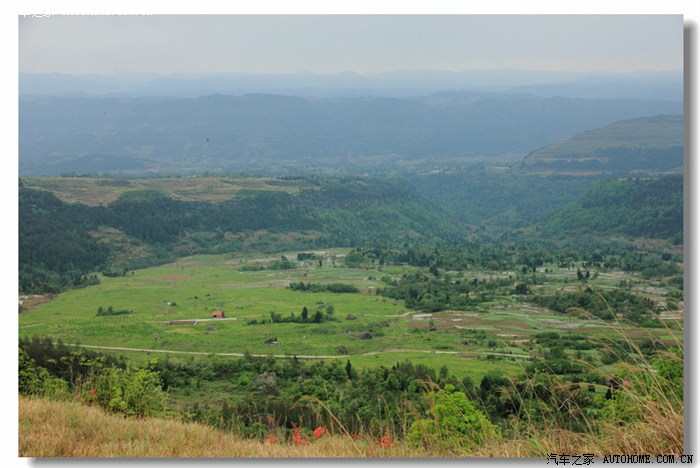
271, 439
355, 436
298, 439
93, 391
386, 442
320, 432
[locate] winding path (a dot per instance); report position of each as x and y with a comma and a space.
289, 356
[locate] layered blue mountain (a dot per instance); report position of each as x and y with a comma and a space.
288, 134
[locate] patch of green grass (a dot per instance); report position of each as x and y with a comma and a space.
192, 288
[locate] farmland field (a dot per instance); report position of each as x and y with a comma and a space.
365, 327
92, 191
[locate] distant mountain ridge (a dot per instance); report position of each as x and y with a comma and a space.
290, 134
638, 145
650, 85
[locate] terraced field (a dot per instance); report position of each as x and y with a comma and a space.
92, 191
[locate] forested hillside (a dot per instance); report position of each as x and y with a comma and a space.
632, 207
55, 249
498, 199
60, 242
558, 174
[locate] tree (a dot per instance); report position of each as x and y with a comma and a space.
434, 269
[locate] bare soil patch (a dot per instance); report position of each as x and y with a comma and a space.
258, 284
176, 278
30, 302
182, 322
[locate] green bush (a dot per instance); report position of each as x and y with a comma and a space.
649, 393
453, 423
131, 391
36, 380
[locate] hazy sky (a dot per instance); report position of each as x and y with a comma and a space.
330, 44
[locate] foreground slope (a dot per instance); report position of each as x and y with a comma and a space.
71, 430
66, 430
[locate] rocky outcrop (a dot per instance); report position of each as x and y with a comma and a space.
268, 379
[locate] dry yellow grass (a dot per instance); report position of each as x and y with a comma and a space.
660, 436
66, 429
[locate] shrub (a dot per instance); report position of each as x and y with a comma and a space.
101, 312
130, 391
283, 264
317, 287
36, 380
453, 423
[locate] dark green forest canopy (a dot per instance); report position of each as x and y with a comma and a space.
488, 197
55, 249
633, 207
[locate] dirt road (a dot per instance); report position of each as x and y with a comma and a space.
287, 356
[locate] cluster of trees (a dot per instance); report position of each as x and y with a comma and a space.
308, 256
321, 315
101, 311
428, 293
318, 287
606, 304
282, 264
526, 256
266, 394
456, 256
56, 371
